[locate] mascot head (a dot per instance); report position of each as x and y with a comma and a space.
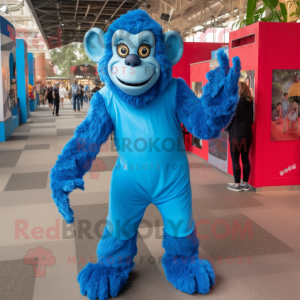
134, 57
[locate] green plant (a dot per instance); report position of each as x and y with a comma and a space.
268, 12
296, 8
66, 56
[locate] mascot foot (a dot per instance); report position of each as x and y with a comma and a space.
183, 267
189, 274
100, 281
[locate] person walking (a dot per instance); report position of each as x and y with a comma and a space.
42, 93
49, 95
76, 95
81, 95
97, 83
86, 94
240, 138
62, 94
56, 98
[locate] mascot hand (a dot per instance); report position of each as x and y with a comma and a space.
220, 94
60, 194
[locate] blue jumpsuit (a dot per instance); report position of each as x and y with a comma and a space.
152, 166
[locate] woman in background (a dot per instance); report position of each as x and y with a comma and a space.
62, 94
240, 138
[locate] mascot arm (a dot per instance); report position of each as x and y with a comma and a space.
77, 156
205, 117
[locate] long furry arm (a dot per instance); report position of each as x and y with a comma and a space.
205, 117
77, 156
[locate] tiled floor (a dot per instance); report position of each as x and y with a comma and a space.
252, 239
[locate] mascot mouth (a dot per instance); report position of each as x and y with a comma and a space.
134, 84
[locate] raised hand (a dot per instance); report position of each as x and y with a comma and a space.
205, 117
220, 94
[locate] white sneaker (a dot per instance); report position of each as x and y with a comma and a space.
236, 188
245, 186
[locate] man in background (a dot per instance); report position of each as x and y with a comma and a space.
87, 93
42, 92
56, 98
49, 95
76, 95
97, 83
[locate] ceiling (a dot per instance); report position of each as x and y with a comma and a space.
64, 22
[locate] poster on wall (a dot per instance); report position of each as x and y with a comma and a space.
8, 48
285, 105
249, 78
217, 151
197, 89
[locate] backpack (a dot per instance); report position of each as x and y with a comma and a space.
75, 89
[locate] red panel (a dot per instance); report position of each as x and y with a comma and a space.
198, 72
275, 47
193, 52
248, 55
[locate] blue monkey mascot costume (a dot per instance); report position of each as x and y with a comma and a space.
145, 107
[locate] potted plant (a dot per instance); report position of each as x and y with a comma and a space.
270, 11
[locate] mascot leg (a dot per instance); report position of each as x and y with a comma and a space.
183, 268
110, 273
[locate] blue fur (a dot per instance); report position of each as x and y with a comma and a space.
134, 22
76, 157
108, 276
205, 117
183, 268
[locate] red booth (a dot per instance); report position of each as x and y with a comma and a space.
193, 52
269, 54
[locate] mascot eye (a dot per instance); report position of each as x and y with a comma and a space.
144, 51
123, 50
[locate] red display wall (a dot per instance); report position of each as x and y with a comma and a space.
193, 52
198, 72
262, 48
275, 46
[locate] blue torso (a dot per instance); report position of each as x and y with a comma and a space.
149, 142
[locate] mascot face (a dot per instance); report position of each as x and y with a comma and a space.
133, 67
134, 57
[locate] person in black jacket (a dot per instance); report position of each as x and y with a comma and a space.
49, 95
56, 98
240, 138
97, 83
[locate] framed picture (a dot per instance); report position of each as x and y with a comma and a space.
197, 89
285, 105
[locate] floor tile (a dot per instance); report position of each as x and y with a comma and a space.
37, 147
27, 181
9, 158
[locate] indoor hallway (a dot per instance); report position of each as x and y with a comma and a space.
251, 238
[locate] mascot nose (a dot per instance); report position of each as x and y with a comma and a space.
132, 60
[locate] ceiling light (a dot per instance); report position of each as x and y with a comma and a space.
4, 9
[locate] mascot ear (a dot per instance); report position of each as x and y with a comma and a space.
94, 45
174, 46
